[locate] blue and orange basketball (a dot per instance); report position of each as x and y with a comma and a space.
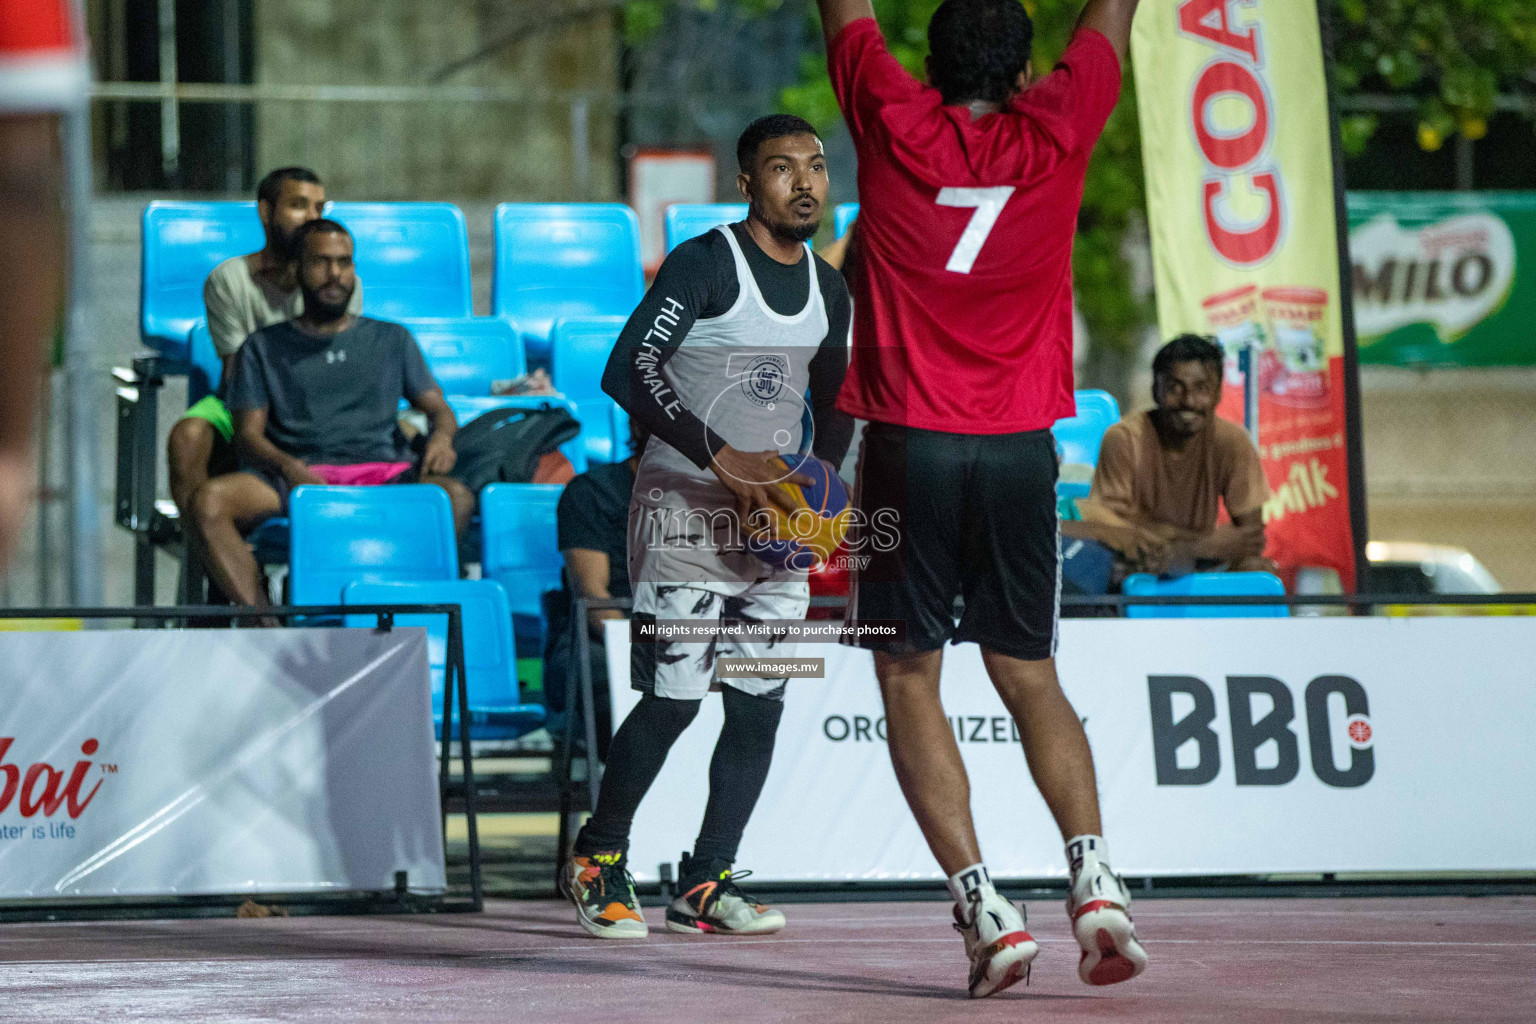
810, 535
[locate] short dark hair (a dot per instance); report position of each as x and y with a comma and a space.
773, 126
271, 188
318, 226
1187, 348
977, 48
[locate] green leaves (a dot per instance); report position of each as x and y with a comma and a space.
1454, 57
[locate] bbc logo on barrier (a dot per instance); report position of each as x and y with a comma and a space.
1248, 735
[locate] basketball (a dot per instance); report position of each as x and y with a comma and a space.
815, 530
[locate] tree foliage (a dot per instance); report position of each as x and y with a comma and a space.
1453, 57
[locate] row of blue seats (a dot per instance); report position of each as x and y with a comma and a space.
553, 261
688, 220
396, 545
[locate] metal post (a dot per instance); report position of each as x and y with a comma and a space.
581, 149
234, 141
588, 712
1465, 164
456, 661
1359, 521
50, 387
1248, 365
442, 770
81, 391
170, 125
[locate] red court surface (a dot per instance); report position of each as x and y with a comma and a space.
1245, 961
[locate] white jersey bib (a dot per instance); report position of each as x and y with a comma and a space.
745, 374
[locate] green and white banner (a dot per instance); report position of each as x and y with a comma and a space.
1444, 278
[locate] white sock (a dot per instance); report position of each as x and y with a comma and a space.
1083, 850
970, 884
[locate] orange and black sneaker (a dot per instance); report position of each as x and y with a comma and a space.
709, 900
604, 895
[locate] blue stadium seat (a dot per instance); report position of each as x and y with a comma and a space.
468, 353
689, 220
557, 260
341, 535
519, 543
1206, 584
181, 243
1078, 438
496, 711
206, 366
413, 258
843, 218
578, 352
466, 408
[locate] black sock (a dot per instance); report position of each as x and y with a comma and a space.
737, 772
635, 757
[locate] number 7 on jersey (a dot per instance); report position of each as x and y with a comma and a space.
988, 203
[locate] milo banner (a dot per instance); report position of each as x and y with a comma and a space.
1241, 198
1444, 278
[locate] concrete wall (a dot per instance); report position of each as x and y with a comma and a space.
500, 151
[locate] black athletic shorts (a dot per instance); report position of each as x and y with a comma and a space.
958, 515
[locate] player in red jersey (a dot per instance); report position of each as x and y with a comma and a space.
42, 74
970, 187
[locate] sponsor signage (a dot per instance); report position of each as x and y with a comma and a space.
176, 762
1444, 278
1222, 746
1241, 202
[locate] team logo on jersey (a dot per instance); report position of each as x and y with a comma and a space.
764, 379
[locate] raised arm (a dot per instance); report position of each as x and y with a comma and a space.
828, 367
837, 15
1110, 18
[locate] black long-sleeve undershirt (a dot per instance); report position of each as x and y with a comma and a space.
698, 281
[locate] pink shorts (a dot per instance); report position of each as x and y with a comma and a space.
362, 474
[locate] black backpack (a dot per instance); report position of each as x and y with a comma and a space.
505, 445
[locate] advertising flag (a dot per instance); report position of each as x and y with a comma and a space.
1243, 208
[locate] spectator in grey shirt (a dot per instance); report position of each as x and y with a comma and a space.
314, 402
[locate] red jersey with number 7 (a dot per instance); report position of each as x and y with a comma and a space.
962, 298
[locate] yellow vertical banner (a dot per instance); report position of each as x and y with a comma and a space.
1241, 200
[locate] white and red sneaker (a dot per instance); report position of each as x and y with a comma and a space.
1099, 907
997, 944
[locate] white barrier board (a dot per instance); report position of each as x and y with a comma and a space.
158, 762
1223, 746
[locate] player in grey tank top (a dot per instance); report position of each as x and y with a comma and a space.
738, 348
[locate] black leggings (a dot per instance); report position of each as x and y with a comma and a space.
737, 771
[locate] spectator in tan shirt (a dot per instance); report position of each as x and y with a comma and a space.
1164, 475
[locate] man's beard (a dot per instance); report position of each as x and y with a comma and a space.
321, 311
284, 242
800, 231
